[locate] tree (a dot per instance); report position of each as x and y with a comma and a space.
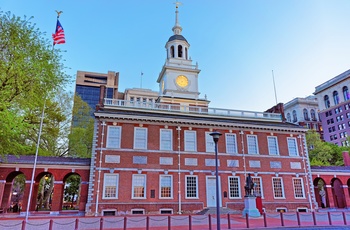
71, 189
31, 74
323, 153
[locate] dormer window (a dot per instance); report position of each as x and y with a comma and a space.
179, 51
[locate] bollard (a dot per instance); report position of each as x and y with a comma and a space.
329, 218
209, 219
169, 223
23, 225
265, 222
189, 222
344, 218
247, 219
298, 218
101, 223
147, 222
51, 225
76, 224
228, 221
314, 217
125, 220
282, 221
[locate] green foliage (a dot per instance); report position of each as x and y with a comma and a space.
31, 74
71, 189
323, 153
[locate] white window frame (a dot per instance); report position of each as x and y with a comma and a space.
165, 142
105, 184
302, 188
209, 143
137, 210
290, 148
238, 187
160, 186
274, 188
251, 145
186, 187
166, 209
113, 139
134, 185
231, 143
190, 145
261, 185
140, 143
273, 145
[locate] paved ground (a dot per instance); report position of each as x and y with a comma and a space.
177, 222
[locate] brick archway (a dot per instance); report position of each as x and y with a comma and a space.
58, 167
321, 192
338, 193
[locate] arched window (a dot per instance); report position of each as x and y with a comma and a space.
186, 53
295, 119
306, 115
326, 101
313, 114
335, 98
346, 93
179, 51
172, 51
289, 119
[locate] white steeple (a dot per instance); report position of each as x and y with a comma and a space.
177, 28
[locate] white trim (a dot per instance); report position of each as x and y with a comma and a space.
302, 187
186, 147
117, 137
296, 146
208, 193
209, 143
232, 142
269, 145
238, 185
256, 145
137, 210
195, 176
282, 188
171, 186
145, 186
161, 139
166, 209
116, 185
109, 210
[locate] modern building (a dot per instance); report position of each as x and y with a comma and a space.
334, 105
88, 86
304, 112
158, 156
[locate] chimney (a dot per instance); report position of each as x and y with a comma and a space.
346, 158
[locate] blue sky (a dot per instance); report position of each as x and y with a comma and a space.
237, 44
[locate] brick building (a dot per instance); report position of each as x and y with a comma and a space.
156, 156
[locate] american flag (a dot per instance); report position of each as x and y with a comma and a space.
58, 36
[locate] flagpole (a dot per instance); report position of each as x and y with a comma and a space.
274, 86
37, 147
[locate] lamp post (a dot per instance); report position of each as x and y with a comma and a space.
216, 136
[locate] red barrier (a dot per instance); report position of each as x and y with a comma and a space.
147, 222
314, 218
298, 218
189, 222
169, 223
247, 220
228, 221
51, 225
209, 219
282, 220
101, 223
329, 218
125, 220
76, 224
265, 222
23, 225
344, 218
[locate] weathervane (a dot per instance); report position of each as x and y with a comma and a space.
177, 3
59, 13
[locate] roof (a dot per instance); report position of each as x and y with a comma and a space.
330, 169
177, 37
47, 160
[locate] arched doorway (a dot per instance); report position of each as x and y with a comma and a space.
71, 192
321, 193
13, 192
338, 193
44, 184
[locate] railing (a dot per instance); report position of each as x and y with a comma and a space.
191, 109
228, 221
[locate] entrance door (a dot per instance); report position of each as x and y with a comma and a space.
211, 191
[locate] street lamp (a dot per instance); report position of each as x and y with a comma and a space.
216, 136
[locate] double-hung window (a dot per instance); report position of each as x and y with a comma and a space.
191, 187
209, 143
234, 188
252, 144
166, 139
140, 138
110, 186
231, 143
298, 188
113, 137
166, 190
278, 190
273, 145
138, 186
292, 146
258, 188
190, 141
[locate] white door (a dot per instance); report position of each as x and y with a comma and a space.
211, 191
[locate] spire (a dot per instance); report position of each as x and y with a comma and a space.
177, 28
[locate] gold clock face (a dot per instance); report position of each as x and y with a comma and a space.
182, 81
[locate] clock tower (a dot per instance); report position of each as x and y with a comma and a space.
178, 80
